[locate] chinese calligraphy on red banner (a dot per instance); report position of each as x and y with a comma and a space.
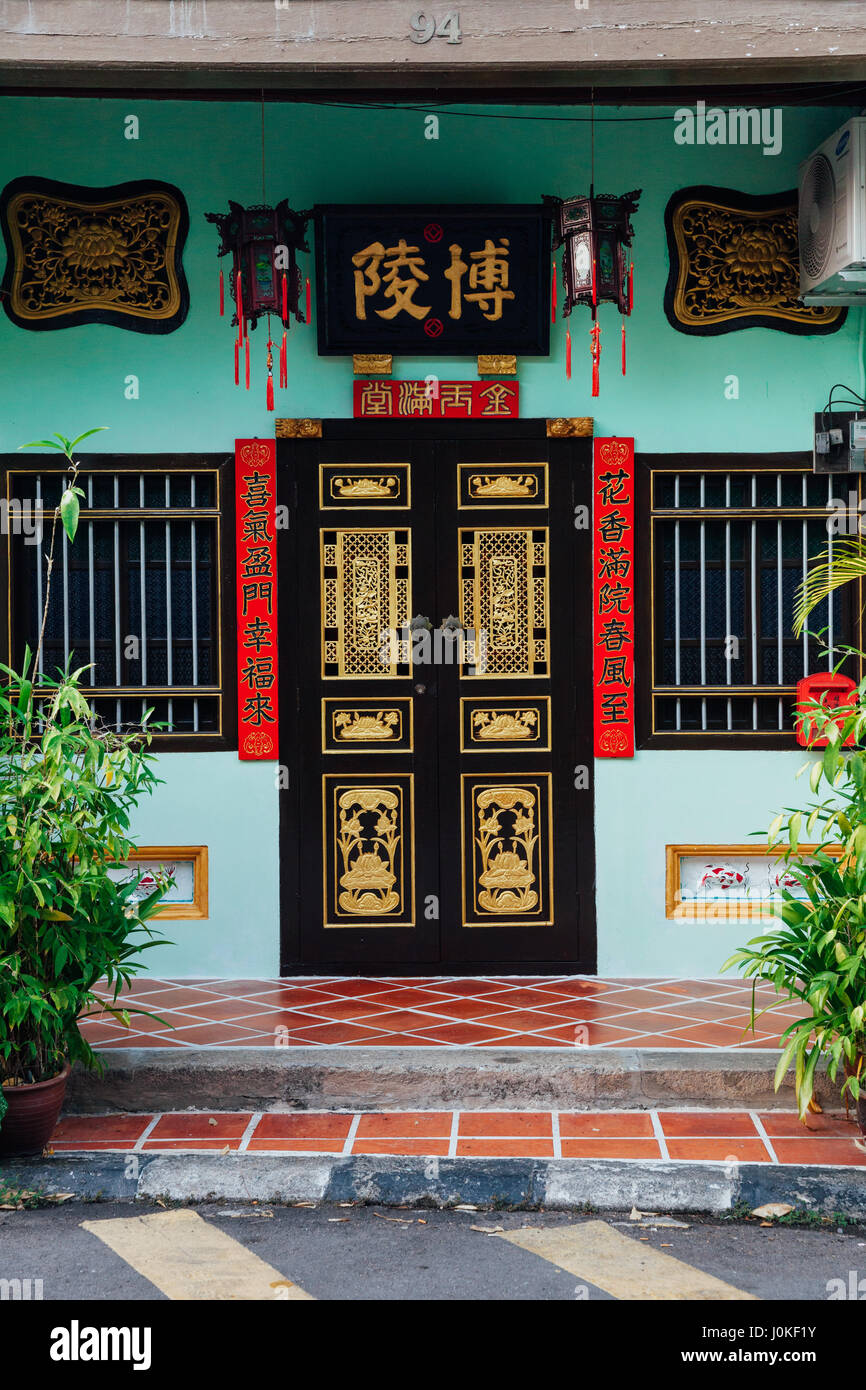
255, 508
613, 598
437, 400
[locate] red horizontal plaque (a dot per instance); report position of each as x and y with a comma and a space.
255, 510
436, 400
613, 597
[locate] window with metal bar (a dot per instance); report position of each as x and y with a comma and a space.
135, 598
729, 547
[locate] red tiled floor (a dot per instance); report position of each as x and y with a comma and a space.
819, 1149
463, 1034
433, 1148
303, 1125
298, 1146
607, 1124
461, 1008
333, 1033
508, 1011
589, 1034
203, 1124
229, 1034
399, 998
719, 1150
98, 1132
226, 1010
524, 1040
505, 1148
704, 1124
360, 1009
492, 1123
396, 1040
610, 1148
518, 998
788, 1125
406, 1125
696, 1136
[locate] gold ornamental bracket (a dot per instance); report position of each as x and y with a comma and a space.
497, 364
298, 429
574, 427
373, 364
734, 264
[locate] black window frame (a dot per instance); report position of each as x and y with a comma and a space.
646, 602
223, 464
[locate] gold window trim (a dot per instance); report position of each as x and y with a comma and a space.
728, 514
214, 513
738, 909
196, 855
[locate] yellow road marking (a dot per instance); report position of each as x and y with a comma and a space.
626, 1268
187, 1258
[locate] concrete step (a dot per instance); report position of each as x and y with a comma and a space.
397, 1078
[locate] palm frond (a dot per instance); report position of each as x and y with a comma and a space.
846, 562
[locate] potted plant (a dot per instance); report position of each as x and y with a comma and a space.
67, 922
817, 952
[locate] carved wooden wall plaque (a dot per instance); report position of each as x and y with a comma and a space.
94, 255
734, 264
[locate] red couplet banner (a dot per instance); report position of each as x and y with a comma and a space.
613, 597
255, 511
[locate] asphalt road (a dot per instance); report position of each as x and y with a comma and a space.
95, 1252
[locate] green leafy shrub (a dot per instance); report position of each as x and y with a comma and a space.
67, 788
817, 953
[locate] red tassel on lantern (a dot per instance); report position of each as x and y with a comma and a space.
269, 394
623, 349
240, 305
595, 335
568, 353
284, 365
237, 364
285, 298
247, 362
309, 303
553, 294
630, 286
222, 294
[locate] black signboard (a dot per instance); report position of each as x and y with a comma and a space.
424, 281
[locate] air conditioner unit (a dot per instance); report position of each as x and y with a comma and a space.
832, 218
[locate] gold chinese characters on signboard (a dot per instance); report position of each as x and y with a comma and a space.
400, 273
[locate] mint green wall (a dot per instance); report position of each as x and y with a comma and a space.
672, 399
661, 798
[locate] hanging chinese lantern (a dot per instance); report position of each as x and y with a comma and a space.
265, 277
595, 232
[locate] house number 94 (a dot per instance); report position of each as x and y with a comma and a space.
424, 27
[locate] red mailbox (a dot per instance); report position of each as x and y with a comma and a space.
833, 692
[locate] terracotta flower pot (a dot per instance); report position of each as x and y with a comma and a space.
34, 1110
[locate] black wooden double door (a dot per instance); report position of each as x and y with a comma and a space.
435, 662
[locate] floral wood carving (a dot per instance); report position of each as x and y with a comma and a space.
94, 255
734, 264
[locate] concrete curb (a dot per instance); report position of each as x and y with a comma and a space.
413, 1078
557, 1185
